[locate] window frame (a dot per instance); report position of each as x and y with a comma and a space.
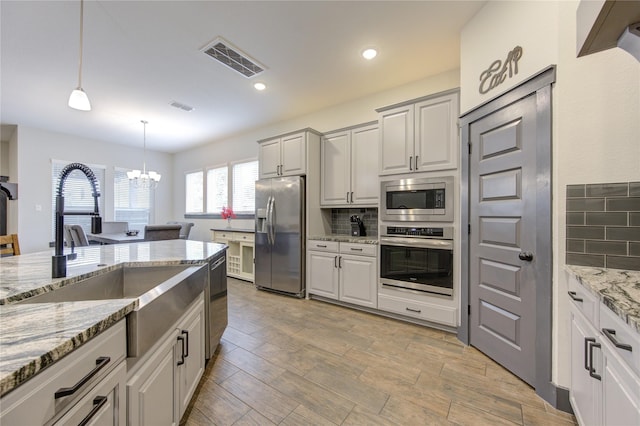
216, 215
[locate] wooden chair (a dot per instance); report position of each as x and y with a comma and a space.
11, 240
161, 232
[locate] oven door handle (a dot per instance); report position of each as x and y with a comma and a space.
417, 242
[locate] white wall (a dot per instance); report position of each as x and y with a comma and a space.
36, 149
596, 105
245, 146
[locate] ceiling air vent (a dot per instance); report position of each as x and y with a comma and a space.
181, 106
223, 51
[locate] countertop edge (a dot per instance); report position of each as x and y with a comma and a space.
613, 278
36, 365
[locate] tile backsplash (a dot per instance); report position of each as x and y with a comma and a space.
603, 225
341, 225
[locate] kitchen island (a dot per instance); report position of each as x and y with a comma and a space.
33, 337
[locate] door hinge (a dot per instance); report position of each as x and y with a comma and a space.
469, 309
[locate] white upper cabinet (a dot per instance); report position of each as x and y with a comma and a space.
421, 136
283, 156
349, 167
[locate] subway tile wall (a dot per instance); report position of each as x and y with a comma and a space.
341, 224
603, 225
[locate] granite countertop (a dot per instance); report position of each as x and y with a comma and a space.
33, 336
618, 289
345, 239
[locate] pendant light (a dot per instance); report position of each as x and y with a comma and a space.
78, 99
144, 179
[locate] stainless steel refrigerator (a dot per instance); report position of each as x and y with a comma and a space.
280, 235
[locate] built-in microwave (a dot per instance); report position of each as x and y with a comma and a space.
417, 199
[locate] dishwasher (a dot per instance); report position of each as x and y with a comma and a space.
216, 308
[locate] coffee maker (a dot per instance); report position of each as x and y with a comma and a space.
357, 227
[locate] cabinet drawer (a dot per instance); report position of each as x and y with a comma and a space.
583, 300
623, 334
222, 236
318, 245
243, 236
359, 249
424, 311
34, 402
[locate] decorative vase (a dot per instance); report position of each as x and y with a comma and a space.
229, 222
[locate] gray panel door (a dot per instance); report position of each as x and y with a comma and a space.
286, 260
502, 215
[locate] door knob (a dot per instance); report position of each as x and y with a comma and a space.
526, 255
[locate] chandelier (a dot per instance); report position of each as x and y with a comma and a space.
144, 179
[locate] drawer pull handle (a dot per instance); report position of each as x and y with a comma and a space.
98, 402
101, 362
181, 361
186, 333
592, 370
586, 351
356, 249
572, 295
611, 335
417, 311
321, 245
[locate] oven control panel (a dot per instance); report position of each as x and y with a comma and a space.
417, 232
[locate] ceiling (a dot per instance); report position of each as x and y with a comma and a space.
139, 56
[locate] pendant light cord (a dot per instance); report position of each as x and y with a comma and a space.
81, 42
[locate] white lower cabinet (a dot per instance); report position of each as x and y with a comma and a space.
160, 388
343, 271
605, 386
87, 384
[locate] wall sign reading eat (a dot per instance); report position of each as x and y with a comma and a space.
496, 74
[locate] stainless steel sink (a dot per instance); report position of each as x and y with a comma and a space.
163, 293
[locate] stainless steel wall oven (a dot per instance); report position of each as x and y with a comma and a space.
417, 258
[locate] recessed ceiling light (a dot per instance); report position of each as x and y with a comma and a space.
369, 53
260, 86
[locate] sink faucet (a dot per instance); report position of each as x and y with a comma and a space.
59, 260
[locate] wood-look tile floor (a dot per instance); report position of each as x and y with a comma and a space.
287, 361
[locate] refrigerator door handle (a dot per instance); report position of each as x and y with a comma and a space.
269, 220
272, 220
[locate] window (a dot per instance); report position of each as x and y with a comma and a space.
233, 188
194, 186
244, 187
78, 194
132, 204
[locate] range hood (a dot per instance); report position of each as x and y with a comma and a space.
604, 24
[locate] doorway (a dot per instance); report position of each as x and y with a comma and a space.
506, 206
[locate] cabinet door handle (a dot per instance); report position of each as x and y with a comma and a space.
186, 333
416, 165
352, 197
181, 339
573, 294
417, 311
101, 362
592, 371
586, 351
410, 162
339, 261
98, 402
335, 261
611, 335
347, 198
